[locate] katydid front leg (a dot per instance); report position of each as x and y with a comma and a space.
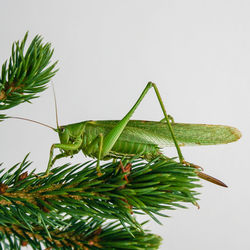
67, 148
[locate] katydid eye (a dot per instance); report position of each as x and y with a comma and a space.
62, 129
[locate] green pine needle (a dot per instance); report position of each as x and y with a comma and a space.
77, 234
78, 191
26, 73
69, 208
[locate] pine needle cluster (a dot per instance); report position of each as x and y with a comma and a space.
26, 73
74, 207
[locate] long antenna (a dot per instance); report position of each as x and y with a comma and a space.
57, 123
25, 119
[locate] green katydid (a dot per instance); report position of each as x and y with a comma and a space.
129, 138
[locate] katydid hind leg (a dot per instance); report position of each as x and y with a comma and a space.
125, 169
170, 117
193, 165
110, 139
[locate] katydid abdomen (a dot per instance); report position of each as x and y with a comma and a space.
145, 138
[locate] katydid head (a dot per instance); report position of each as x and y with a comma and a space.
68, 133
63, 134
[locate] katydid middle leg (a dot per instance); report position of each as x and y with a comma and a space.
91, 148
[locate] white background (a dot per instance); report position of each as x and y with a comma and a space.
198, 53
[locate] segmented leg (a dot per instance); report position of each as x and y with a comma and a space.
110, 139
107, 142
99, 154
170, 117
125, 169
58, 157
66, 147
193, 165
91, 150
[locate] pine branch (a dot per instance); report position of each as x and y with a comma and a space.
26, 73
69, 208
77, 234
78, 191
